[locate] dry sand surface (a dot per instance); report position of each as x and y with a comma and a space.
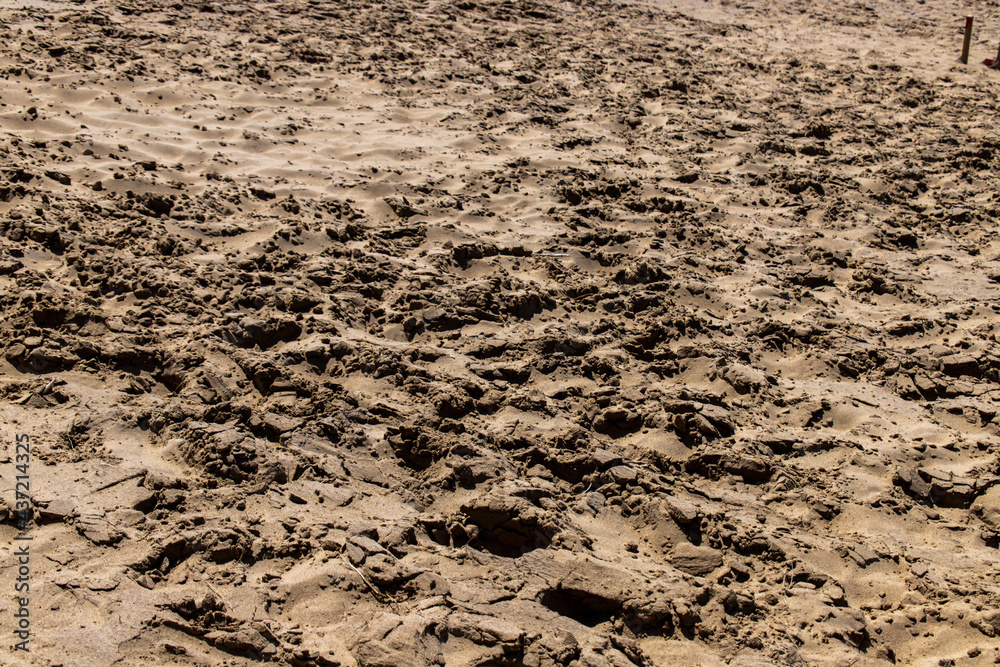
500, 333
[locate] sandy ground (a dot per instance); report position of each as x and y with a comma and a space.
499, 333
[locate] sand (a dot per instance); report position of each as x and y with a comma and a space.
499, 333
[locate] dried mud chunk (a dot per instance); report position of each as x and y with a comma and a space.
223, 546
170, 498
524, 304
687, 614
861, 555
9, 266
987, 623
824, 509
848, 625
504, 373
905, 387
402, 207
97, 529
400, 641
223, 451
697, 422
617, 420
623, 475
156, 205
368, 472
195, 606
453, 405
682, 511
49, 315
46, 236
593, 594
591, 503
385, 570
737, 603
753, 469
811, 277
486, 630
426, 585
219, 545
925, 385
585, 606
642, 273
417, 449
44, 359
507, 526
364, 541
567, 345
957, 365
238, 641
16, 353
758, 545
251, 331
58, 177
936, 487
276, 424
987, 508
261, 193
298, 301
913, 483
561, 647
744, 379
322, 493
58, 510
696, 560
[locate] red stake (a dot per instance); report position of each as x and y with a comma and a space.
968, 40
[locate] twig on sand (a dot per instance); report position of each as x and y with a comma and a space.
219, 595
379, 595
119, 481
